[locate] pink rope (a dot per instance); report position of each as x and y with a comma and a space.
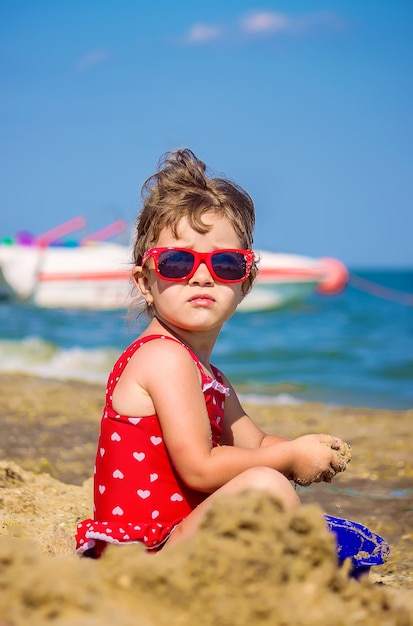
380, 291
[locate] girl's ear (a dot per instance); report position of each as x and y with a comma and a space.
142, 283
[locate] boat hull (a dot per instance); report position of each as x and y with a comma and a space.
98, 276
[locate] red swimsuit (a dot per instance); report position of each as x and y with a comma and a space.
139, 496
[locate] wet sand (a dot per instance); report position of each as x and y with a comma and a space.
250, 562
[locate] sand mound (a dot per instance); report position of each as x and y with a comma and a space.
250, 564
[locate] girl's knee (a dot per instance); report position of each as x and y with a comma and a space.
263, 477
272, 481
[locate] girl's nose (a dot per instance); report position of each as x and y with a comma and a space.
202, 276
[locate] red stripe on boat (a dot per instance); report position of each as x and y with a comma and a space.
44, 277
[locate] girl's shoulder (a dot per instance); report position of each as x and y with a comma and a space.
158, 346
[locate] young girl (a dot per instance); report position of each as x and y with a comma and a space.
174, 436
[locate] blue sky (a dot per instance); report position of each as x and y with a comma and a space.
307, 104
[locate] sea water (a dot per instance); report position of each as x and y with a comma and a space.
353, 349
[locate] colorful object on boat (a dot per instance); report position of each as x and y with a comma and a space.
105, 233
358, 543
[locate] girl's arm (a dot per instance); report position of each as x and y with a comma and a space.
306, 457
166, 373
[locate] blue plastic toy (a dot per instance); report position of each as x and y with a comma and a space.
358, 543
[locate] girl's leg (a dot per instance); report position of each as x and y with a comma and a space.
257, 479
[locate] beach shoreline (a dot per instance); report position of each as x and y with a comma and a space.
47, 449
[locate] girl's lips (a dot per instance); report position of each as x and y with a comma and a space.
202, 299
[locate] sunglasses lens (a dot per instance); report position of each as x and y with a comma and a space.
175, 264
229, 265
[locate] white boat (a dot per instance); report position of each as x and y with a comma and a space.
97, 276
287, 278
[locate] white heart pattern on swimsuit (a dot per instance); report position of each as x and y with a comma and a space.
139, 456
134, 420
117, 511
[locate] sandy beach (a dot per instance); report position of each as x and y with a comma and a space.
249, 564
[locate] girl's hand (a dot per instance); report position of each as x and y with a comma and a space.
318, 458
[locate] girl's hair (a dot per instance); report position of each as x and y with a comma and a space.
181, 188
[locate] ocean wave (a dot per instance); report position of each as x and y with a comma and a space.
43, 359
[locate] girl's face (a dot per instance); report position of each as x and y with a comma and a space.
199, 303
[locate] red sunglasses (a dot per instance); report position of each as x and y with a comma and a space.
225, 266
